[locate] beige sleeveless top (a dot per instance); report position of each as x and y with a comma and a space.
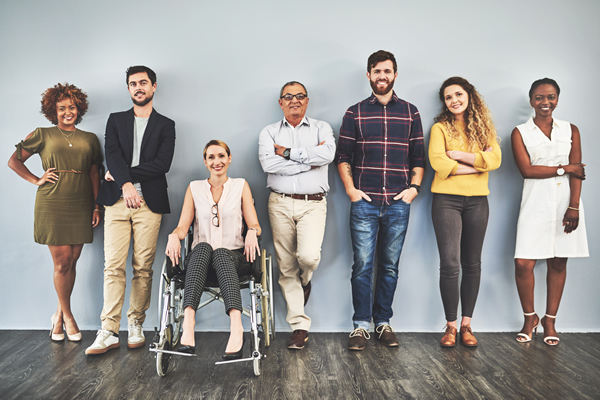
229, 232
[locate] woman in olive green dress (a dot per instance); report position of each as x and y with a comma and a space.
64, 207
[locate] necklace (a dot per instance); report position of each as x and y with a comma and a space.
67, 136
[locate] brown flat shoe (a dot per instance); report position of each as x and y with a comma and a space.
466, 336
297, 340
386, 335
358, 339
449, 338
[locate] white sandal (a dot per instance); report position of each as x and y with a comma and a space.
548, 338
534, 330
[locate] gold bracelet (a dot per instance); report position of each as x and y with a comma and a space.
97, 210
573, 208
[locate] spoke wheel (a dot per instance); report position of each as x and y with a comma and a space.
256, 361
162, 359
177, 312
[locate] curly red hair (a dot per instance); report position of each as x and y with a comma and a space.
60, 92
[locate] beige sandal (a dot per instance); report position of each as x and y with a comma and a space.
548, 338
527, 338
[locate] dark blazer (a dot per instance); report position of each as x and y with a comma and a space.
156, 154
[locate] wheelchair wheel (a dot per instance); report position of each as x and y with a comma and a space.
162, 359
177, 311
264, 301
271, 309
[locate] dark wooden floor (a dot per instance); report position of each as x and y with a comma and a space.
32, 367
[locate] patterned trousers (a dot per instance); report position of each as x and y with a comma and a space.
228, 266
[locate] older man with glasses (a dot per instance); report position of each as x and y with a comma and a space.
295, 153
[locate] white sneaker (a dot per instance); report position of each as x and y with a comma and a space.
105, 340
136, 336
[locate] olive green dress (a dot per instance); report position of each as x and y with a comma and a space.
63, 210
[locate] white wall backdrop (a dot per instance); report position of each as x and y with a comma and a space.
220, 66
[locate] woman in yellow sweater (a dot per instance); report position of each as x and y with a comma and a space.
463, 147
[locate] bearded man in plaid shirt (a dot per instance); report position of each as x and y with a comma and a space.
381, 161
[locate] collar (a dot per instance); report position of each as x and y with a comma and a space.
303, 122
531, 125
373, 99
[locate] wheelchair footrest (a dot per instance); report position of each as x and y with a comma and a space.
255, 356
176, 353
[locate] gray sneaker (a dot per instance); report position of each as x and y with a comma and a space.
105, 340
136, 335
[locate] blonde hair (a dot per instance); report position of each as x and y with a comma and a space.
215, 142
480, 129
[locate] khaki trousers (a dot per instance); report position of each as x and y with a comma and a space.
119, 224
298, 227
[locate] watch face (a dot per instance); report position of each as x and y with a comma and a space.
286, 153
560, 171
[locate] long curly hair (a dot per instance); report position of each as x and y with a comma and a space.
480, 129
60, 92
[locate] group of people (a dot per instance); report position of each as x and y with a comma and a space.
380, 157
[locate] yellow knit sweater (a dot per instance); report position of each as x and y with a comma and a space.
445, 180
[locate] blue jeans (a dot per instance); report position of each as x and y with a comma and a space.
371, 228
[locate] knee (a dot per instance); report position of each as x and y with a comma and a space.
523, 268
558, 266
309, 259
449, 271
64, 265
471, 269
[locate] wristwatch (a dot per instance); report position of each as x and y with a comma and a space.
286, 153
418, 187
560, 171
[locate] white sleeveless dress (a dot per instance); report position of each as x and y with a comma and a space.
540, 233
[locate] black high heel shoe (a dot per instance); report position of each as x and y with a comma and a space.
235, 356
187, 349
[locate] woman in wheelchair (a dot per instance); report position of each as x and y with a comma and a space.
216, 206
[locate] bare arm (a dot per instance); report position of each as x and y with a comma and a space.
19, 167
529, 171
408, 195
251, 248
94, 174
345, 171
571, 218
173, 250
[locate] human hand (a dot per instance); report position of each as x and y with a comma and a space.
108, 177
96, 217
173, 250
571, 220
576, 170
407, 195
450, 154
279, 149
131, 196
489, 149
49, 176
356, 195
251, 248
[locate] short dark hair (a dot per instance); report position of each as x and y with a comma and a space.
136, 69
292, 83
380, 56
544, 81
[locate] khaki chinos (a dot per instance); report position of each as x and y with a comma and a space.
120, 223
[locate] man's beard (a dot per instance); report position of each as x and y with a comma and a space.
382, 91
143, 102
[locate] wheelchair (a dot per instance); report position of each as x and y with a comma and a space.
170, 307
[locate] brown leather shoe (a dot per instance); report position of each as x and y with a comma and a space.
358, 339
466, 336
449, 338
297, 340
306, 290
386, 335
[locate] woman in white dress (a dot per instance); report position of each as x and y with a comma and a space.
551, 222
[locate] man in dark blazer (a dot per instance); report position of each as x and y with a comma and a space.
139, 145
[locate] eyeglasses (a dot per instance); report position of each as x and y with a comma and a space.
215, 218
289, 97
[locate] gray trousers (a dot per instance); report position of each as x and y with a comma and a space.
460, 223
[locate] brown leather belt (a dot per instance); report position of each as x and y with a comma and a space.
313, 197
70, 170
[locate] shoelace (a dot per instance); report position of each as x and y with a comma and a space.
358, 331
383, 328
